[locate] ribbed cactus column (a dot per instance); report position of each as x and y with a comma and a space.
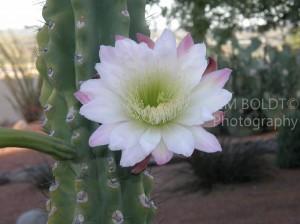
136, 9
92, 188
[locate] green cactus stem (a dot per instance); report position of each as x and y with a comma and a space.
39, 142
136, 10
90, 187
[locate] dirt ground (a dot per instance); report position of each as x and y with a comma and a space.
274, 201
18, 198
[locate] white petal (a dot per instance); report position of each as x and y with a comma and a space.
218, 119
205, 141
132, 53
101, 135
126, 135
132, 156
123, 48
150, 139
125, 45
165, 46
178, 139
93, 88
110, 74
193, 65
213, 81
194, 115
161, 154
127, 65
203, 105
107, 53
216, 101
105, 109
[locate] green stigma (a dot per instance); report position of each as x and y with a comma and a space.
155, 100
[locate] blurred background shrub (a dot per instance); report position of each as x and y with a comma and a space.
237, 163
264, 73
288, 155
221, 19
17, 68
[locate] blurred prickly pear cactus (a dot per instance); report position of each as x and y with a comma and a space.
89, 186
262, 73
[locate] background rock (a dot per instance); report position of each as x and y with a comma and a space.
35, 216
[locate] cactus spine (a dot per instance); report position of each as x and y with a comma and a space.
90, 187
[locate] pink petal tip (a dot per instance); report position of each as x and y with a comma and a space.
185, 45
120, 37
218, 119
224, 75
162, 157
145, 39
141, 166
82, 97
212, 66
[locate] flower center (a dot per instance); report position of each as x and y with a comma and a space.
155, 100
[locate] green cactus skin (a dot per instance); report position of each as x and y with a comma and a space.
39, 142
91, 188
136, 10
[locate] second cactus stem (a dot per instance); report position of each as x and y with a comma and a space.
92, 188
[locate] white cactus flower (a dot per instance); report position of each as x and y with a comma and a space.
154, 98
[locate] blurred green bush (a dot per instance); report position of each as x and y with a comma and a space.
235, 164
288, 155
